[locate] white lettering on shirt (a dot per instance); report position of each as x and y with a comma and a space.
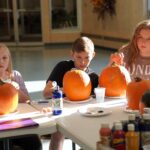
140, 71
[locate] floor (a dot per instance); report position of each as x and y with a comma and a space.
36, 63
67, 145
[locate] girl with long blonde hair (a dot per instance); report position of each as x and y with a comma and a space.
7, 74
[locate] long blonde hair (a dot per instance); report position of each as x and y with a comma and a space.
132, 48
9, 69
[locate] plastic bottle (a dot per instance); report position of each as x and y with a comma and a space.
145, 130
57, 101
132, 119
118, 137
124, 123
132, 138
146, 110
137, 115
113, 127
105, 134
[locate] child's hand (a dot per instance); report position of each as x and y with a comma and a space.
47, 109
48, 89
116, 58
15, 84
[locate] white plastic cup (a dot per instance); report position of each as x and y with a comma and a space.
100, 94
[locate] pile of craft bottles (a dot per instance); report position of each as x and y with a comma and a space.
130, 134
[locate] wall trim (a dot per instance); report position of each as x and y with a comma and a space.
107, 38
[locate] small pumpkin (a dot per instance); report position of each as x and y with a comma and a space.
8, 98
115, 79
77, 85
135, 90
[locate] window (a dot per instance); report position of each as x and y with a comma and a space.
64, 14
148, 8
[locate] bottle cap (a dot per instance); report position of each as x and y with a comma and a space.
116, 122
104, 125
54, 84
57, 87
124, 121
131, 116
146, 116
131, 127
147, 110
136, 112
118, 126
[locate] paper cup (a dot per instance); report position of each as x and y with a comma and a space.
100, 94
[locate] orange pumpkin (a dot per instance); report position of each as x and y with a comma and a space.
8, 98
135, 90
77, 85
115, 79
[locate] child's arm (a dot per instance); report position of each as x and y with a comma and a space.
23, 97
19, 83
47, 92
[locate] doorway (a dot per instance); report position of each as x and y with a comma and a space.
20, 21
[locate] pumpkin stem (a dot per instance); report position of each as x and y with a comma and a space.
137, 79
113, 64
1, 82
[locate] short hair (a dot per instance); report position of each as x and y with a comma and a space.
9, 69
146, 98
83, 44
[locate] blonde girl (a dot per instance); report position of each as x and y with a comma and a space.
26, 142
12, 76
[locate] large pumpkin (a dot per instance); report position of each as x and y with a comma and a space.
8, 98
135, 90
77, 85
115, 79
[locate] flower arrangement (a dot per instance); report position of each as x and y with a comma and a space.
101, 7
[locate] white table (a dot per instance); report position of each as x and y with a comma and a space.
82, 130
85, 130
46, 124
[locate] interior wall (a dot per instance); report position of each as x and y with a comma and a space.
111, 32
116, 31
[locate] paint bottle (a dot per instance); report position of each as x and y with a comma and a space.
118, 137
132, 138
137, 115
132, 119
57, 101
124, 123
145, 130
113, 127
105, 134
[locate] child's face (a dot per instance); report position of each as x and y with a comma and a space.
4, 59
143, 42
82, 60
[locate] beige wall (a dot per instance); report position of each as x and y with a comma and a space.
113, 32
